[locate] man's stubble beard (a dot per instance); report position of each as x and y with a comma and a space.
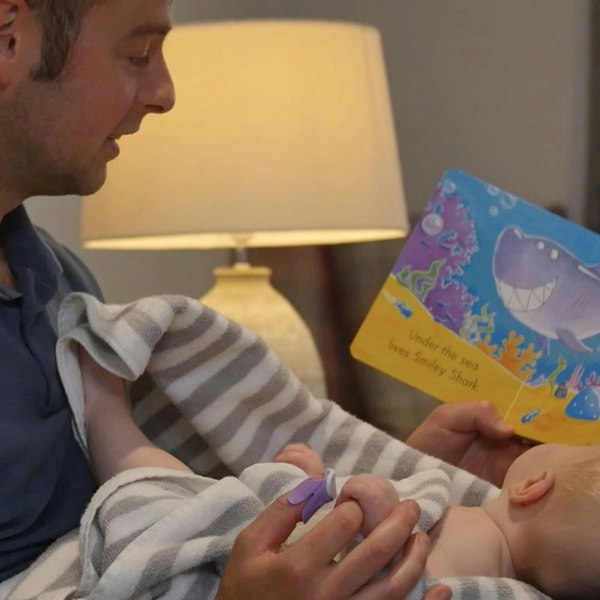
31, 156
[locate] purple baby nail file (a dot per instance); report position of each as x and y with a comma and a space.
315, 492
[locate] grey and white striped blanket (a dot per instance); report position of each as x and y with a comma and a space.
212, 394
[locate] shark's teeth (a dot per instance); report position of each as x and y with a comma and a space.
525, 299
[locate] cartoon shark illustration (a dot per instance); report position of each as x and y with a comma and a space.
547, 288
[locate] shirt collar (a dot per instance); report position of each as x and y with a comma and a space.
28, 254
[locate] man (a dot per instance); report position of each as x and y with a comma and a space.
62, 112
75, 76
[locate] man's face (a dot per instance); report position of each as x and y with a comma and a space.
60, 135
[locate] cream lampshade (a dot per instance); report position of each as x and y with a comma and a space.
282, 135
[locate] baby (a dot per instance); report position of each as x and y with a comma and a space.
550, 493
541, 529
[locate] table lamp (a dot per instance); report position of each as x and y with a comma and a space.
282, 135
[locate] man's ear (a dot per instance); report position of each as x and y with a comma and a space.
11, 14
9, 10
531, 490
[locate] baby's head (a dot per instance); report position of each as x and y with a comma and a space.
553, 498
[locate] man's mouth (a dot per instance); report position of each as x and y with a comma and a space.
114, 138
114, 146
117, 136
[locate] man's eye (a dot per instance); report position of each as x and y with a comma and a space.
139, 61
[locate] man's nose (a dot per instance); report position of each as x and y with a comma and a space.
159, 92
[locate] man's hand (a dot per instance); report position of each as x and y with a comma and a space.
258, 569
470, 435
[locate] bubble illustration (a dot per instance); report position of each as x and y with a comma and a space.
508, 200
432, 224
493, 190
494, 211
449, 187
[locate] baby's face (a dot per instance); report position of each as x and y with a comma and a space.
547, 456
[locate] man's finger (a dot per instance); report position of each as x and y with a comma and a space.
329, 537
489, 423
404, 576
473, 417
377, 550
272, 527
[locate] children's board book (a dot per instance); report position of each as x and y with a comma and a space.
493, 298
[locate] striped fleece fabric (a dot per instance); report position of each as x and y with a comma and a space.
212, 394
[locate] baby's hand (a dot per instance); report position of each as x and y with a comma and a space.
375, 495
304, 457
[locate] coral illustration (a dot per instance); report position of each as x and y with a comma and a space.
487, 347
477, 326
560, 367
574, 380
519, 361
420, 283
435, 255
448, 303
592, 380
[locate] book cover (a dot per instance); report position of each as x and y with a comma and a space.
493, 298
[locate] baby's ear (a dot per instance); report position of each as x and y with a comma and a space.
531, 490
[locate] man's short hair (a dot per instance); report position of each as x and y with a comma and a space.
60, 22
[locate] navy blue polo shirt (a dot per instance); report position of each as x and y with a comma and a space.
45, 481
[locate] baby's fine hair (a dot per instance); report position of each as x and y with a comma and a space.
576, 507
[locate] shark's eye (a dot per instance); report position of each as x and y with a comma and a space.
554, 254
540, 245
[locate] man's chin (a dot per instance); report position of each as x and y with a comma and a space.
81, 184
92, 183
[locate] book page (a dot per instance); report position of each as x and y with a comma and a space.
494, 298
